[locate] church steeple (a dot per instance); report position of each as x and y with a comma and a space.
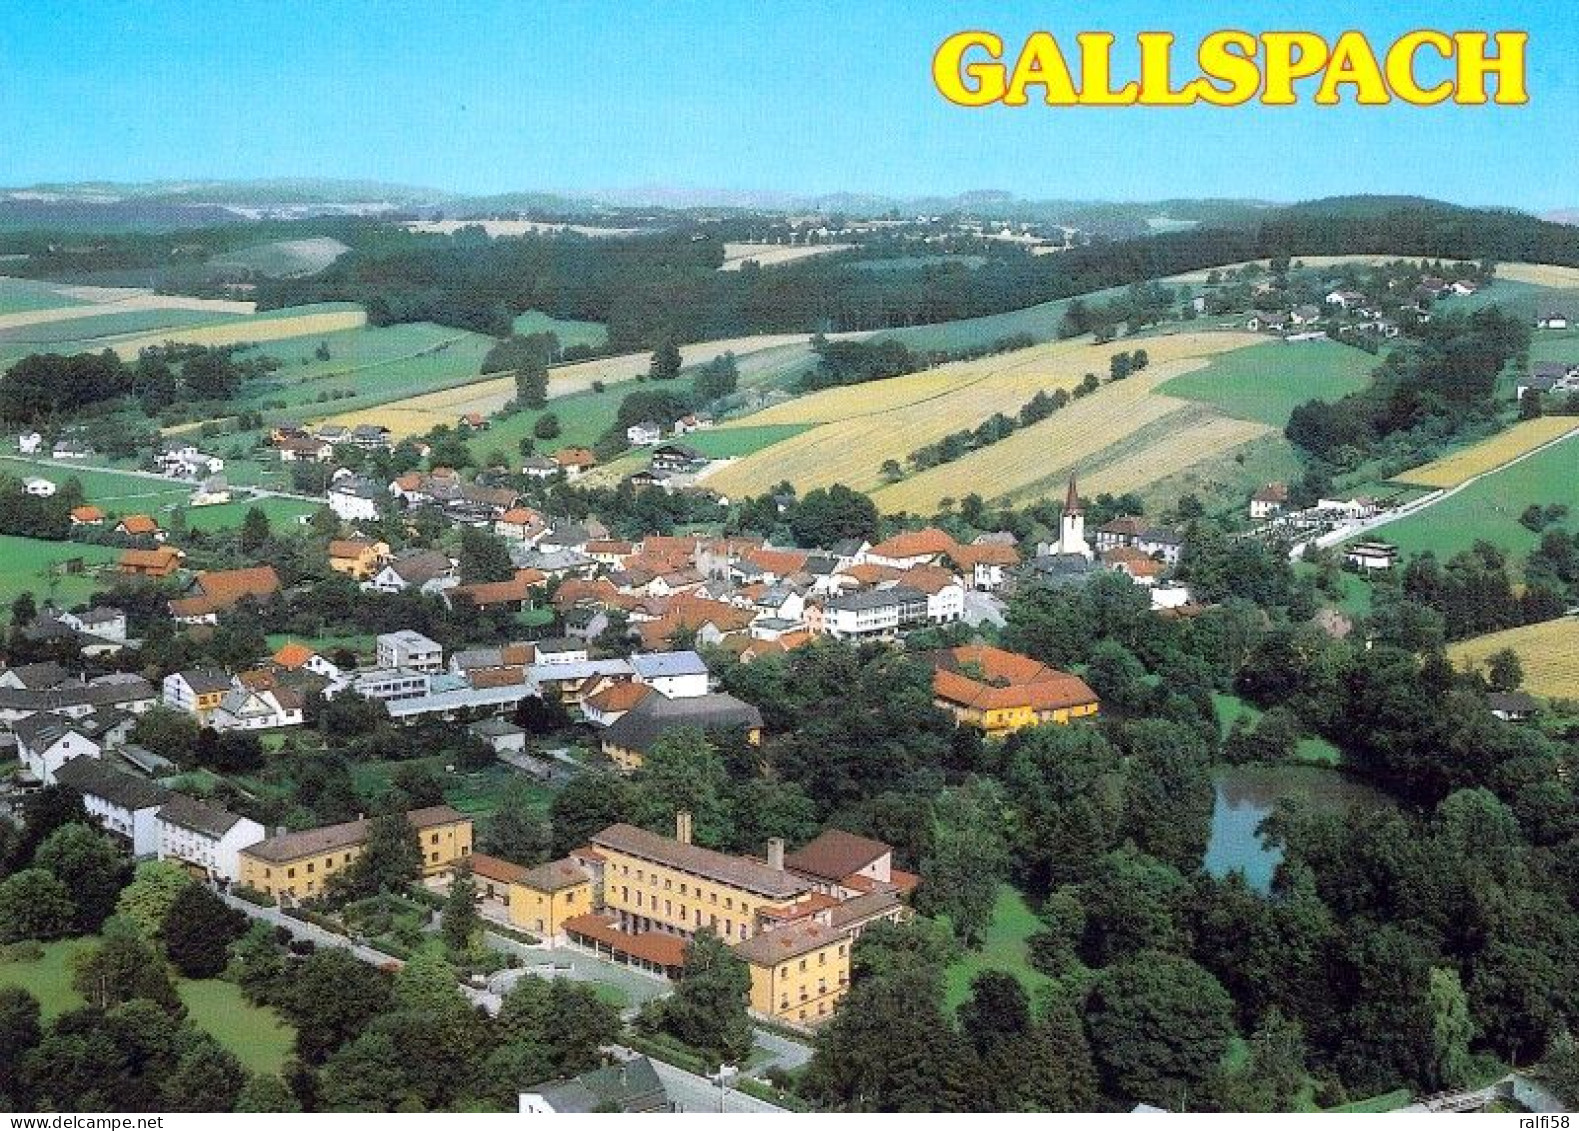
1072, 499
1072, 525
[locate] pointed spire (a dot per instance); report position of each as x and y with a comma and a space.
1072, 499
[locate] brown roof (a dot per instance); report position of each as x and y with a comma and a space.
836, 854
619, 697
517, 589
556, 875
1272, 493
651, 946
1011, 680
870, 573
87, 513
931, 580
349, 547
139, 524
329, 838
575, 457
162, 559
915, 544
769, 948
507, 676
781, 562
984, 553
293, 655
493, 868
736, 871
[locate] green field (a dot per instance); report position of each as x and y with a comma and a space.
116, 492
568, 331
1555, 345
1013, 922
281, 513
1040, 321
728, 443
1265, 383
283, 258
256, 1035
82, 333
17, 295
1489, 508
25, 567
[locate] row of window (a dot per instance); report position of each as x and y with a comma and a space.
668, 885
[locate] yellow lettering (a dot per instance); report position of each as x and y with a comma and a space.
1401, 67
1156, 72
1290, 55
1507, 64
1096, 72
950, 71
1042, 64
1228, 56
1353, 64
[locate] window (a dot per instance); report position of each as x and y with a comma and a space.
822, 958
309, 867
802, 965
291, 873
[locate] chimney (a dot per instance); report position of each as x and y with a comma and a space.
776, 853
682, 826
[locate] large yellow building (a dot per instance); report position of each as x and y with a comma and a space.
798, 972
538, 899
999, 692
297, 866
659, 883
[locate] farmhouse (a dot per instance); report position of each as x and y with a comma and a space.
355, 499
45, 743
217, 591
1269, 500
158, 563
357, 558
1371, 555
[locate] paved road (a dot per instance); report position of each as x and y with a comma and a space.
691, 1092
1351, 530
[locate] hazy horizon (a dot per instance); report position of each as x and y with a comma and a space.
800, 100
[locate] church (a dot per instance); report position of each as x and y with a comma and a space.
1071, 529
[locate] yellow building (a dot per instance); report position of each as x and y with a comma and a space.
658, 883
538, 899
798, 972
999, 692
627, 739
357, 558
297, 866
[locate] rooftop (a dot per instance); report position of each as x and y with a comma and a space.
736, 871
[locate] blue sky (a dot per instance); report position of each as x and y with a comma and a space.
785, 95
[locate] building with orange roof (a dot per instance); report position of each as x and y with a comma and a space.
985, 565
603, 707
160, 562
999, 692
912, 548
541, 899
1138, 565
778, 563
139, 526
218, 591
87, 515
516, 593
357, 558
575, 461
945, 592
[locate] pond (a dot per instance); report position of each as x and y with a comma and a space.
1246, 795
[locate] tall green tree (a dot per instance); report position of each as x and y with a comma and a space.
198, 931
459, 922
34, 904
123, 967
969, 858
708, 1010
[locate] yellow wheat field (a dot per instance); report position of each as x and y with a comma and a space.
1548, 652
1539, 274
253, 330
736, 255
1489, 454
1536, 274
417, 415
861, 426
99, 301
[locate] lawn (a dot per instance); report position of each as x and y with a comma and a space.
1310, 750
117, 492
1013, 922
1267, 382
281, 513
256, 1035
731, 443
583, 417
475, 793
76, 335
1489, 508
362, 644
25, 566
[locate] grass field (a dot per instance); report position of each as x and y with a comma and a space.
257, 1036
857, 427
1013, 922
737, 255
732, 443
1490, 507
25, 566
17, 295
77, 335
284, 258
568, 331
1489, 454
1267, 382
281, 513
117, 492
1549, 653
291, 322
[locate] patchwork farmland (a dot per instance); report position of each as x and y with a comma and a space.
853, 429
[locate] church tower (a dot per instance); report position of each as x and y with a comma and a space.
1072, 527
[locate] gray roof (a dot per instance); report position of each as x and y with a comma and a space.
202, 680
96, 777
641, 726
40, 732
198, 816
103, 692
560, 644
630, 1086
878, 598
736, 871
37, 677
655, 665
769, 948
417, 567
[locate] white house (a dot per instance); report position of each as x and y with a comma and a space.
675, 675
245, 708
39, 487
28, 443
874, 613
501, 735
1544, 322
427, 571
1372, 555
196, 691
643, 434
204, 836
45, 743
104, 622
123, 804
410, 650
212, 492
355, 500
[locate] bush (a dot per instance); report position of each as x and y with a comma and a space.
251, 895
28, 950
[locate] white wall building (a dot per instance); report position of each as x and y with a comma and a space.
205, 836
